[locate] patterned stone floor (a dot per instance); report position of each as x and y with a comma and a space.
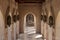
29, 37
29, 30
30, 34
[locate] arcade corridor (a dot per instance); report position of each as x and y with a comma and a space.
29, 19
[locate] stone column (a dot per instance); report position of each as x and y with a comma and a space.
49, 33
17, 28
42, 27
2, 25
17, 23
45, 30
14, 30
9, 32
9, 26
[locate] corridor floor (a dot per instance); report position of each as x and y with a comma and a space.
29, 37
30, 34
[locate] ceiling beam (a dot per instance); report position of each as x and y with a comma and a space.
30, 1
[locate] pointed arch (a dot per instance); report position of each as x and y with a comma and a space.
30, 13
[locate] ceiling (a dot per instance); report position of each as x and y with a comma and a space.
30, 1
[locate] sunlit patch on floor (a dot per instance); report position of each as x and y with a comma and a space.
38, 36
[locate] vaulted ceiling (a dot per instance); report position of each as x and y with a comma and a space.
30, 1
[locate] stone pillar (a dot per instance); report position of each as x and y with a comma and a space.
2, 25
14, 26
57, 33
49, 33
42, 27
9, 32
14, 30
17, 23
9, 26
17, 28
45, 30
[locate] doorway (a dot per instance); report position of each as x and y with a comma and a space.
30, 23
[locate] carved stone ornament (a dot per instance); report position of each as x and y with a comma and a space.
17, 17
14, 18
8, 20
51, 21
44, 18
41, 17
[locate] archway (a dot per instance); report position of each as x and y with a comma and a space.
29, 20
1, 26
30, 23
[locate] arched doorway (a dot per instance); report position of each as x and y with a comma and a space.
30, 23
29, 20
1, 26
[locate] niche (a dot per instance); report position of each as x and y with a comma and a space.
14, 18
44, 18
18, 17
41, 17
7, 17
9, 20
51, 21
